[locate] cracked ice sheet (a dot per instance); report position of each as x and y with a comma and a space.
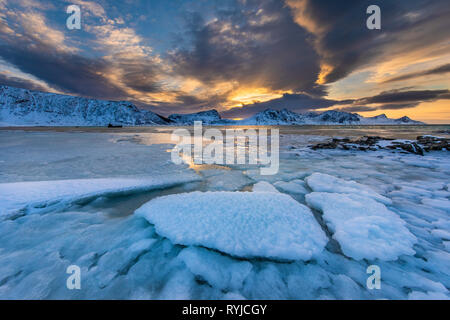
35, 196
256, 224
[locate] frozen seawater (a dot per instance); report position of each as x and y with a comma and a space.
243, 224
122, 257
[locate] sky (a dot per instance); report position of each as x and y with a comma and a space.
236, 56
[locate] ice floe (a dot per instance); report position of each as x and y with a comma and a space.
443, 204
243, 224
364, 228
322, 182
219, 271
36, 196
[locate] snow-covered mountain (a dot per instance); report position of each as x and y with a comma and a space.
32, 108
286, 117
383, 119
332, 117
274, 117
207, 117
21, 107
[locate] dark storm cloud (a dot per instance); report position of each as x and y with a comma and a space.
255, 44
20, 83
380, 107
186, 104
140, 77
344, 42
64, 71
390, 100
357, 109
294, 102
398, 106
49, 55
405, 96
434, 71
73, 73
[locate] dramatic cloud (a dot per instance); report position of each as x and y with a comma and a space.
20, 83
125, 70
237, 56
392, 100
405, 96
294, 102
434, 71
409, 29
256, 45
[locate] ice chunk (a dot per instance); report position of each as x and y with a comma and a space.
179, 286
442, 204
295, 186
322, 182
38, 195
418, 295
233, 296
243, 224
363, 227
305, 283
264, 186
267, 282
219, 271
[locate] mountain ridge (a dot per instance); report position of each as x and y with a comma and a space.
28, 107
23, 107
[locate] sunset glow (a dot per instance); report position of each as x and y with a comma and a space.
234, 56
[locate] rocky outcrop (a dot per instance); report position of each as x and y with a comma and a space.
373, 143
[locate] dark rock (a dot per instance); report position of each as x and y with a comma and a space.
370, 143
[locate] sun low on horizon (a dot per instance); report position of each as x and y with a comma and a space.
239, 57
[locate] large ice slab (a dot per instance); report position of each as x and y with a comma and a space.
364, 228
243, 224
321, 182
37, 195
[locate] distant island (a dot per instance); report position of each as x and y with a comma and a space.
22, 107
